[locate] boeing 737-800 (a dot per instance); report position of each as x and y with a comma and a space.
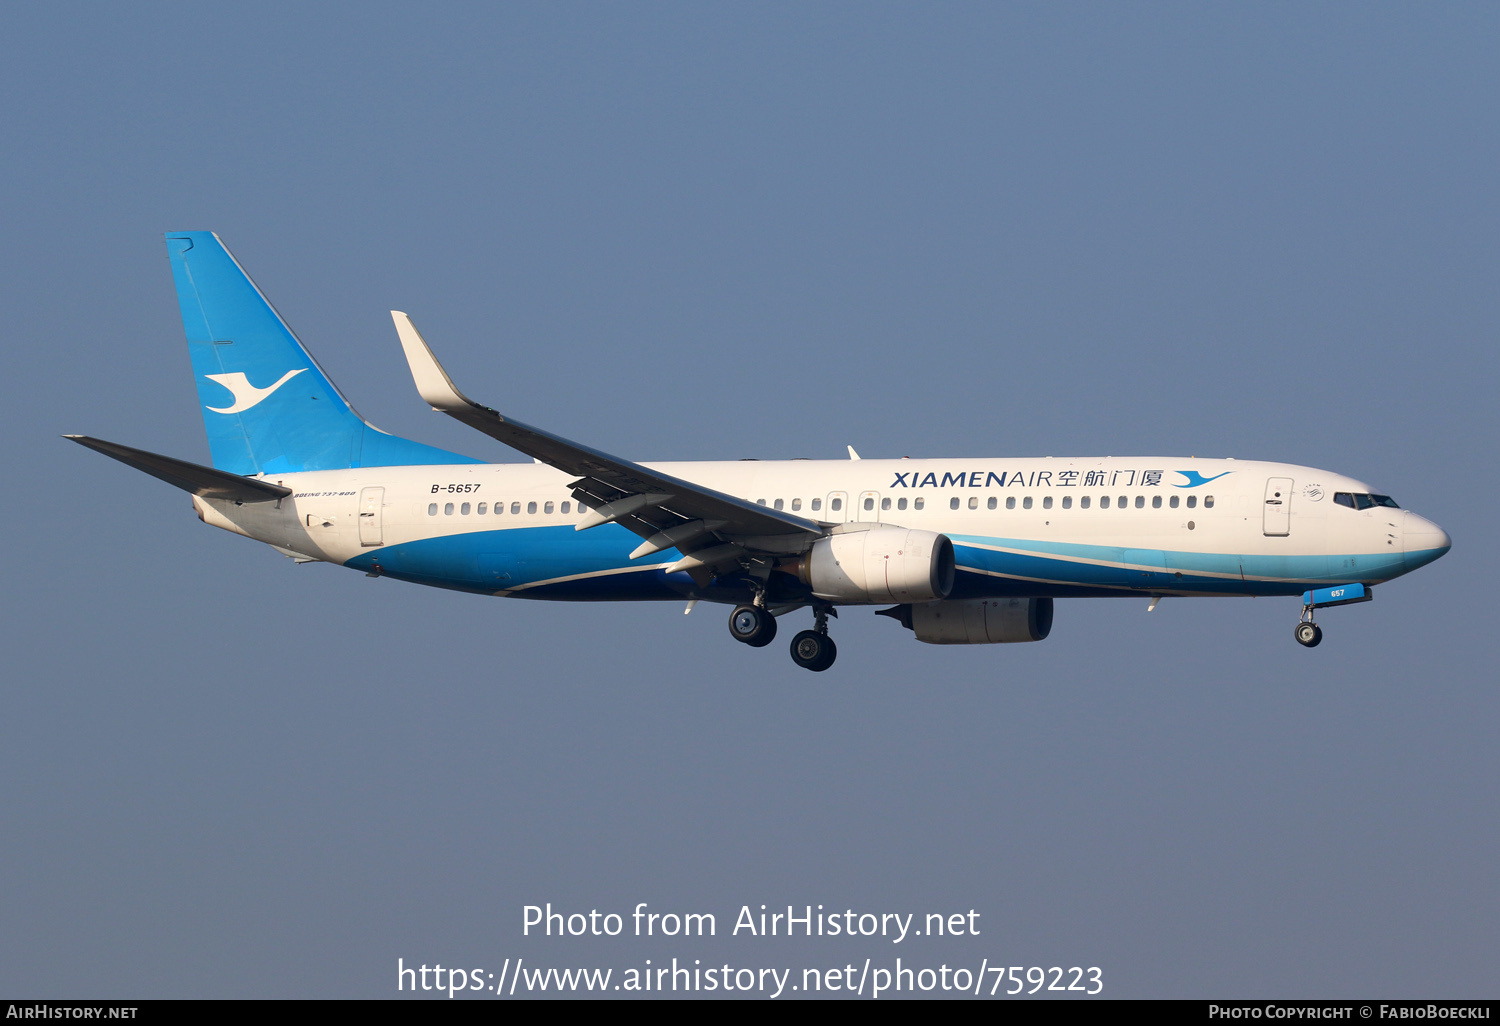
963, 551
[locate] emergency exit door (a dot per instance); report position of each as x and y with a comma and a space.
1278, 507
838, 508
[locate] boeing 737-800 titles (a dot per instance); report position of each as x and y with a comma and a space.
962, 551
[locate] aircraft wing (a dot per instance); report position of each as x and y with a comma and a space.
668, 512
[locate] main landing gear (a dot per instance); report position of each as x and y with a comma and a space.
813, 650
752, 625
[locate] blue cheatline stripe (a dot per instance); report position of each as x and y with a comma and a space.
559, 562
519, 559
1081, 564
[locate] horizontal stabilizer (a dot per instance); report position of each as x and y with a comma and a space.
190, 477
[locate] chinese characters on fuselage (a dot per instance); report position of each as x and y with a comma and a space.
1031, 479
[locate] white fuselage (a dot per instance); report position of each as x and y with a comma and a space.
1052, 526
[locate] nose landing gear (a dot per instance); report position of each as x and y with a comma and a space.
1307, 633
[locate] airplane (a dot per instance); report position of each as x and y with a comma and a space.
962, 551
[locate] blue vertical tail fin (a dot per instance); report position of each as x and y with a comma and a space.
267, 405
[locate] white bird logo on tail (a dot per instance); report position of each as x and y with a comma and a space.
245, 394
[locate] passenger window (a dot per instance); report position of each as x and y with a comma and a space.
777, 504
993, 502
953, 502
464, 509
581, 508
1067, 502
1208, 502
1192, 501
547, 508
817, 504
1047, 502
1104, 502
760, 502
482, 507
515, 508
1026, 502
531, 507
869, 502
796, 505
1124, 501
1173, 501
973, 502
564, 507
885, 503
836, 504
900, 503
1083, 503
1156, 502
1010, 502
447, 509
432, 509
1140, 502
918, 503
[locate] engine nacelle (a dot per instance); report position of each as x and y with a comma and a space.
883, 564
980, 621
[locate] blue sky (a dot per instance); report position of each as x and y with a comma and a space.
719, 231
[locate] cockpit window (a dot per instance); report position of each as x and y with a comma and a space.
1361, 500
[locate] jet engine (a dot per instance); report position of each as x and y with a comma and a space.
883, 564
977, 621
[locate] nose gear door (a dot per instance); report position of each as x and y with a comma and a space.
1278, 507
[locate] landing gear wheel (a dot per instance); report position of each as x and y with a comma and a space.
1308, 634
753, 626
813, 651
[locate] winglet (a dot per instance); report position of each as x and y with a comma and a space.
433, 383
612, 478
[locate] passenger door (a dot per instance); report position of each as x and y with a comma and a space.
1278, 507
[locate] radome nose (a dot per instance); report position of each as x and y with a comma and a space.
1425, 541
